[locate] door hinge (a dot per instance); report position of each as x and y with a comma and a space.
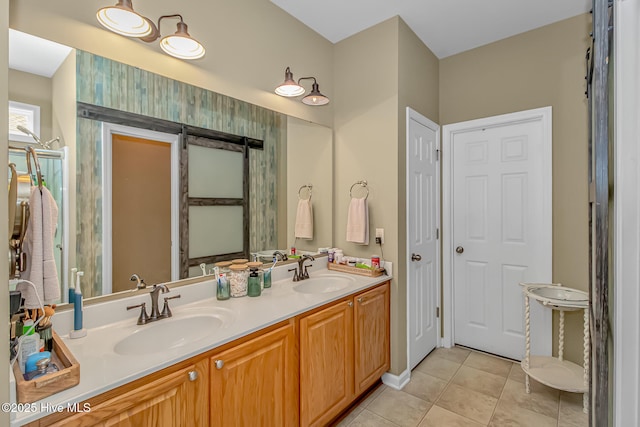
437, 233
438, 312
437, 155
592, 192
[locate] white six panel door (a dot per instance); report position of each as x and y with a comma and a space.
498, 224
422, 222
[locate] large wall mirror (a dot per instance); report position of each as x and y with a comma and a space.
57, 79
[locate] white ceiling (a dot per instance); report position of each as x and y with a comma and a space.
34, 55
447, 27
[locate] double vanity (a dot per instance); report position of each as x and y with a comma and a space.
299, 354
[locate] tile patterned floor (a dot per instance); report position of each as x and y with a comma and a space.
457, 387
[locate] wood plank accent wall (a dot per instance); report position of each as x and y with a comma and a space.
103, 82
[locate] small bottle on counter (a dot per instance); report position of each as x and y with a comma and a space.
238, 278
375, 261
254, 283
258, 267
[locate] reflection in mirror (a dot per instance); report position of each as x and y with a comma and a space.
296, 153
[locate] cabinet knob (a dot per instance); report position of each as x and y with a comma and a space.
360, 300
350, 303
219, 364
193, 375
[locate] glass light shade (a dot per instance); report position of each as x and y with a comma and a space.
181, 45
122, 19
315, 97
289, 88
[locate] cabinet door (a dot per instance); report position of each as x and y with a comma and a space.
326, 363
256, 383
371, 337
178, 399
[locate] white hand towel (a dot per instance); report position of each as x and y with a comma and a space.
358, 221
304, 220
39, 249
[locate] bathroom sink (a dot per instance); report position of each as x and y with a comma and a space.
166, 334
560, 293
323, 284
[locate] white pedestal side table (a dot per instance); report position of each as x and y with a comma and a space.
551, 371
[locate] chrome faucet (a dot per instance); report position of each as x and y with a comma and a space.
155, 292
278, 254
303, 258
140, 282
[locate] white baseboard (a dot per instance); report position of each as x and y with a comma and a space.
397, 382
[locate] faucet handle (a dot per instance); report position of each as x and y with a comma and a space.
295, 274
144, 317
166, 311
306, 273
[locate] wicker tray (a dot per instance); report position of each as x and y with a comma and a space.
355, 270
39, 388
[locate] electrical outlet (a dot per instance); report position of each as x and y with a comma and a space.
380, 235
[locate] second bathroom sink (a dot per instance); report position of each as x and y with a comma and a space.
323, 284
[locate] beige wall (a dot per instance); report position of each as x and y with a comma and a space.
35, 90
4, 271
310, 148
366, 146
535, 69
378, 72
249, 44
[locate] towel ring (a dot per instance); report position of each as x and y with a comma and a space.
32, 153
309, 188
363, 184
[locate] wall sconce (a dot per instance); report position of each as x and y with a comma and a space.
292, 89
123, 20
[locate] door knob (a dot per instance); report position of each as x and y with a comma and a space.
416, 257
459, 249
219, 364
193, 375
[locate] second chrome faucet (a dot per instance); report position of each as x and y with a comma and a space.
299, 273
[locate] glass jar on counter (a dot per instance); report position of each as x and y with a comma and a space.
254, 283
238, 280
223, 289
258, 267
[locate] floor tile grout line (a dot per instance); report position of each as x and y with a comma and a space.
493, 413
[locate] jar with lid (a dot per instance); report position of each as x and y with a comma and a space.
258, 267
239, 261
223, 291
238, 280
254, 283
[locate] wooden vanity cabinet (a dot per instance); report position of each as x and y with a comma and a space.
256, 382
303, 371
326, 363
372, 347
178, 397
344, 349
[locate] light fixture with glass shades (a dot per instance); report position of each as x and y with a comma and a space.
290, 88
123, 20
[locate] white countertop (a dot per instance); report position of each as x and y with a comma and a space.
102, 369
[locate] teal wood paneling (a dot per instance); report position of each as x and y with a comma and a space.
101, 81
